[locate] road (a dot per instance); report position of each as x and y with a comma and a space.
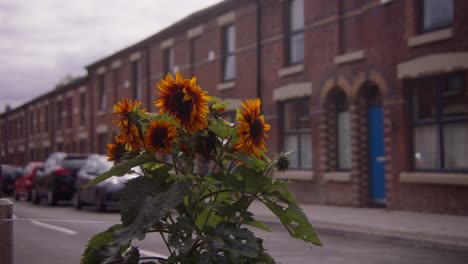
59, 234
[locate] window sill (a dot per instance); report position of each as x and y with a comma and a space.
101, 113
337, 176
434, 178
291, 70
430, 37
295, 175
350, 57
226, 86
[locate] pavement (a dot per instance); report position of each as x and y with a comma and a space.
413, 228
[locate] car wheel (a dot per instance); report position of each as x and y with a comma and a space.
29, 197
100, 202
51, 199
17, 197
35, 197
76, 200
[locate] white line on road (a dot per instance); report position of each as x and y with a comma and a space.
56, 228
151, 254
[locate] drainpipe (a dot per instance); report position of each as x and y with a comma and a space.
259, 50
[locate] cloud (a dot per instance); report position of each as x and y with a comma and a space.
42, 41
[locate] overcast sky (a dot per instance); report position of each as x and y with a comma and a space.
41, 41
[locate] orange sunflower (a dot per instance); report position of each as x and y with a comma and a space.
184, 100
159, 136
115, 151
129, 134
251, 128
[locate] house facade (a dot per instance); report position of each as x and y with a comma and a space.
371, 96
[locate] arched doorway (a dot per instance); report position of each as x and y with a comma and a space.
370, 104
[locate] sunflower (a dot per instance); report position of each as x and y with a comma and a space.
131, 137
115, 151
159, 136
184, 100
129, 134
251, 128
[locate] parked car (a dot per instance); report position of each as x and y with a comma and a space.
8, 177
104, 194
23, 185
56, 181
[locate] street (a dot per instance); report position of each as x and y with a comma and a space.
59, 234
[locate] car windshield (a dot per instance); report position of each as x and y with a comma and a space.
73, 163
103, 164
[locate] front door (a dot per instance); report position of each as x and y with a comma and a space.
377, 157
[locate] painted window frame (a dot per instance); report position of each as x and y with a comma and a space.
228, 53
438, 82
291, 33
168, 60
296, 132
421, 4
136, 80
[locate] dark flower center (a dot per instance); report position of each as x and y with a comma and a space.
158, 137
181, 106
256, 129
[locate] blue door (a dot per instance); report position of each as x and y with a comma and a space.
377, 157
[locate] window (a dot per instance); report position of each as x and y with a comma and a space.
136, 80
343, 132
229, 49
102, 93
70, 112
116, 80
83, 146
193, 59
82, 109
59, 115
295, 45
168, 60
297, 135
102, 143
46, 119
435, 14
440, 122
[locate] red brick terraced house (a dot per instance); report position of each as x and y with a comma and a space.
372, 96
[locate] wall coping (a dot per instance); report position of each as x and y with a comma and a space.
226, 86
350, 57
293, 90
434, 178
430, 37
291, 70
433, 64
295, 175
337, 176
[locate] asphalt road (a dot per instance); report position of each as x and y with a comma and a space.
59, 234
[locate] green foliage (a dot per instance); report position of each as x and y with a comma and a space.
197, 199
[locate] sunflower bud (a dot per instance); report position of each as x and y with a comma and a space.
282, 162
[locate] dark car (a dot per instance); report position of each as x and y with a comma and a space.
56, 181
8, 177
23, 185
104, 194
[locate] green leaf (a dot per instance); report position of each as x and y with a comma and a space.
258, 224
251, 161
152, 209
122, 168
294, 220
220, 105
96, 246
221, 129
236, 241
253, 180
212, 221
